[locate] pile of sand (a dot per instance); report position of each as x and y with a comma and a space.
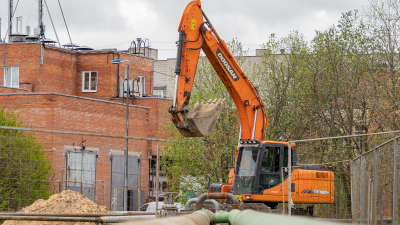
64, 202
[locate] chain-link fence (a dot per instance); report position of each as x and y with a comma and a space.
333, 189
375, 183
35, 164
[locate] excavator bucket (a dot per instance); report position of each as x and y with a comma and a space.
201, 120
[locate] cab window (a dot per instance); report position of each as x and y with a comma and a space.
270, 161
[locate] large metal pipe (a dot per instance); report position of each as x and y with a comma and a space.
201, 217
237, 217
221, 217
103, 219
203, 197
194, 200
134, 213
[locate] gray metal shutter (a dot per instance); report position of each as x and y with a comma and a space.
117, 182
81, 173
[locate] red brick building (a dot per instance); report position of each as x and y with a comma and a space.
55, 89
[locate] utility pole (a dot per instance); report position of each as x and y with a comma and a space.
40, 18
10, 15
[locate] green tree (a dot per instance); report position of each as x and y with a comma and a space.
281, 78
24, 167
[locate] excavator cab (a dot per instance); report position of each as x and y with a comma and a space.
258, 166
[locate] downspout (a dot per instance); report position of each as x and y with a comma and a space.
4, 51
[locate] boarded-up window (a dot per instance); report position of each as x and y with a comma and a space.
81, 172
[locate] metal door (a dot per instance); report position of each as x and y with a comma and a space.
81, 173
117, 182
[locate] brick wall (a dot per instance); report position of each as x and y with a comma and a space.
68, 113
50, 97
12, 90
55, 74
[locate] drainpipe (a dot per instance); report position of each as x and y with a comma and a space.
10, 16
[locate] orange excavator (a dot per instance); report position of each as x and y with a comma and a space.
257, 176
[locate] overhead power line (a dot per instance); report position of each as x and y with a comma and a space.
65, 22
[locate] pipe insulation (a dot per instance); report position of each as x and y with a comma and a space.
201, 217
246, 217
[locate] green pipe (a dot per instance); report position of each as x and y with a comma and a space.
221, 217
237, 217
206, 213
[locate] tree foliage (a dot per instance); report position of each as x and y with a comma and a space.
25, 170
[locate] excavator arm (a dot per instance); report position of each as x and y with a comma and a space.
196, 34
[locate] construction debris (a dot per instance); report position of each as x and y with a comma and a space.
64, 202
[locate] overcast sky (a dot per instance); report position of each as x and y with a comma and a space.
115, 23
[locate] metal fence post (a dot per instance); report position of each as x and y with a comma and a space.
283, 191
157, 179
362, 192
104, 192
352, 179
138, 194
382, 200
289, 178
375, 188
395, 178
369, 199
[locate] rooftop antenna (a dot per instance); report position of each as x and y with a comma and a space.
10, 15
40, 18
19, 22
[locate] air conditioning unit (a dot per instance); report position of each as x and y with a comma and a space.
123, 87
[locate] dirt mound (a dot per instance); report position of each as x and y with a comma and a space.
64, 202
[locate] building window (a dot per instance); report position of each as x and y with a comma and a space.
142, 85
89, 81
11, 76
160, 92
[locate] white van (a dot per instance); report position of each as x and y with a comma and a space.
151, 206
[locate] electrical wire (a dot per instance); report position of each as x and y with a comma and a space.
48, 11
116, 44
64, 21
12, 17
72, 47
169, 75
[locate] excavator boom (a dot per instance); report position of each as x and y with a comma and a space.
196, 34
